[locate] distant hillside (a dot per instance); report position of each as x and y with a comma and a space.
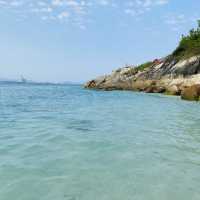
7, 80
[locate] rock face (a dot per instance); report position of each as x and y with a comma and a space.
191, 93
166, 76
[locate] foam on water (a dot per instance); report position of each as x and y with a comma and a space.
66, 143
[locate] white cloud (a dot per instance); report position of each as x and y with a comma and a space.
57, 2
63, 15
16, 3
138, 7
103, 2
177, 21
162, 2
78, 12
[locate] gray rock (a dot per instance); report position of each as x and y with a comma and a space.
151, 79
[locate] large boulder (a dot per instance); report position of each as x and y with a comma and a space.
191, 93
187, 67
155, 89
90, 84
173, 90
95, 83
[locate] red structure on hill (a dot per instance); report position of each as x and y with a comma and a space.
157, 61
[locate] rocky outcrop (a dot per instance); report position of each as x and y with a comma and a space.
191, 93
164, 76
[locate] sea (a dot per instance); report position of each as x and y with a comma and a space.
63, 142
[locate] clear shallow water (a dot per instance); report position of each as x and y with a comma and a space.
67, 143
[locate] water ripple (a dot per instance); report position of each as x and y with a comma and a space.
63, 142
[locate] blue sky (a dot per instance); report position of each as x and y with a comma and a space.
75, 40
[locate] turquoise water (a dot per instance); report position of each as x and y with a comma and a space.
61, 142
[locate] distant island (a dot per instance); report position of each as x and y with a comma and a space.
25, 81
175, 74
21, 80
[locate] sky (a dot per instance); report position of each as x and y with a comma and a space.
77, 40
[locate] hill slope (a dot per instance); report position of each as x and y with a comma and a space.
171, 75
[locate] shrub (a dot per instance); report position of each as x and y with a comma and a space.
142, 67
189, 44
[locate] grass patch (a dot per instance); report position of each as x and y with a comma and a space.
144, 66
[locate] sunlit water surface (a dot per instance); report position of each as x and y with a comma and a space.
61, 142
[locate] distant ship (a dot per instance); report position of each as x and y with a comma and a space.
23, 80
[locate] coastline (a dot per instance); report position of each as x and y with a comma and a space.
166, 75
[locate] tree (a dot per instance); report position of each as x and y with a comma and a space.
192, 32
198, 23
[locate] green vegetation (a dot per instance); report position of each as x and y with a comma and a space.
142, 67
189, 44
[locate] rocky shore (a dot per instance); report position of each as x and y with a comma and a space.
167, 75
